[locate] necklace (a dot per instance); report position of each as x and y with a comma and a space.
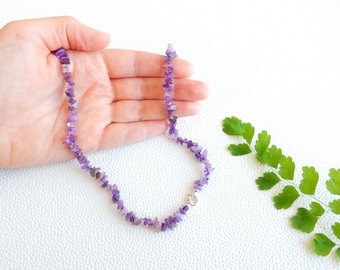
200, 154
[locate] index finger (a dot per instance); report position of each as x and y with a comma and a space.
127, 64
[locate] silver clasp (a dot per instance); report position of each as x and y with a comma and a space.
192, 199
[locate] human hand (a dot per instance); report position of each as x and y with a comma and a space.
119, 92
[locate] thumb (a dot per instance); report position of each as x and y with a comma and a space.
55, 32
71, 34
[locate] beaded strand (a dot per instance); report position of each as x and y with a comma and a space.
71, 140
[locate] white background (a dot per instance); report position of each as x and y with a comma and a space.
274, 64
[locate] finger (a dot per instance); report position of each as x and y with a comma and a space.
146, 110
151, 88
55, 32
127, 64
71, 34
130, 133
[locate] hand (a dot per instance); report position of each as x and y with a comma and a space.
119, 92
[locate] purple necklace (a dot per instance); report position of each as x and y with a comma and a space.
98, 174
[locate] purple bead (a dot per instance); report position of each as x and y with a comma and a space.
78, 153
172, 119
72, 113
195, 148
184, 209
65, 60
168, 223
86, 167
172, 129
130, 216
67, 75
172, 108
114, 187
65, 69
115, 197
189, 143
208, 168
70, 83
203, 155
120, 204
60, 53
198, 183
167, 98
66, 141
72, 119
69, 93
71, 124
198, 187
100, 175
137, 221
72, 138
144, 221
168, 89
149, 222
157, 225
72, 131
173, 136
204, 180
83, 160
72, 107
176, 217
94, 171
163, 227
103, 182
71, 100
168, 80
170, 52
181, 140
74, 148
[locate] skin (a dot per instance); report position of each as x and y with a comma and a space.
119, 92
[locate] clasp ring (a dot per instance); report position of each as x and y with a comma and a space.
192, 199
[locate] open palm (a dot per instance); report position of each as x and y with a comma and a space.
119, 92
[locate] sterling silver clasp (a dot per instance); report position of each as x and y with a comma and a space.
192, 199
